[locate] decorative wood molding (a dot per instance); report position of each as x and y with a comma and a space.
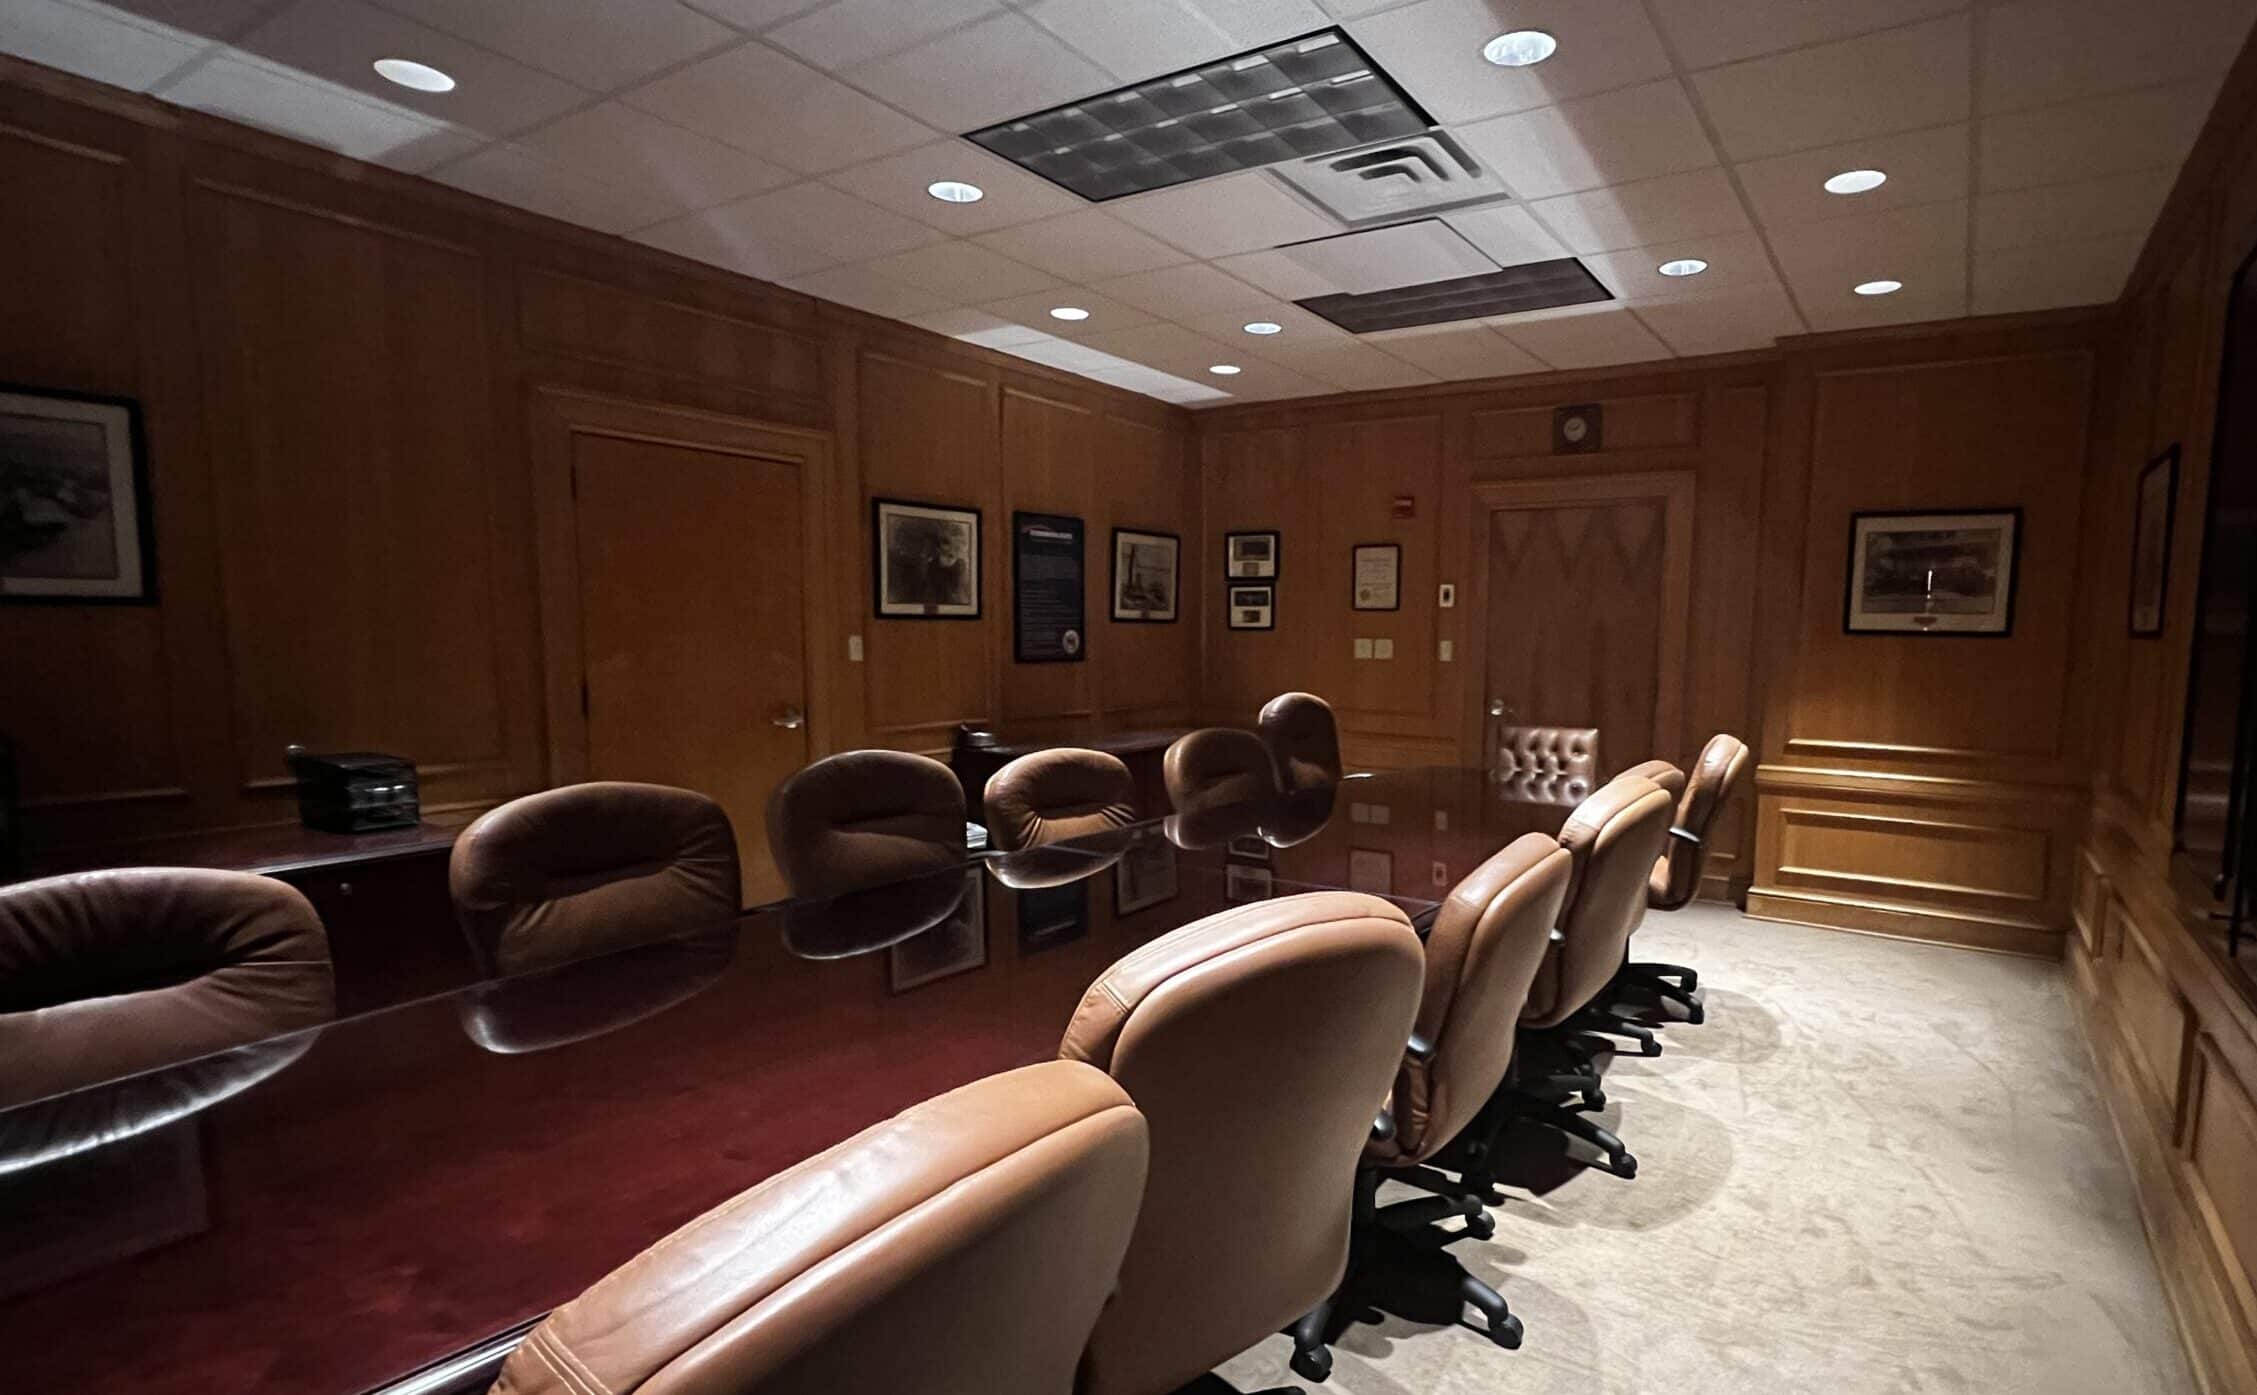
1950, 789
1897, 922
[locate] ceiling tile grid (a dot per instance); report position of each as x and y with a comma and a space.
2028, 146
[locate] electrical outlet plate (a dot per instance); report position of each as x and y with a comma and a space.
1363, 648
1446, 595
1383, 649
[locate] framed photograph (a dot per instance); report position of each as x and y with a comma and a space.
1379, 576
1372, 871
75, 523
1046, 589
1050, 916
955, 946
1145, 574
1933, 573
1248, 847
927, 562
1250, 556
1144, 877
1253, 607
1244, 882
2151, 542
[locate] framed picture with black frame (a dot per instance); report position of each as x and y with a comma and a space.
1378, 576
1251, 556
2154, 506
76, 524
1047, 596
957, 945
1253, 607
1933, 572
1147, 569
924, 560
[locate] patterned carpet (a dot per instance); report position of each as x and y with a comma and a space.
1879, 1168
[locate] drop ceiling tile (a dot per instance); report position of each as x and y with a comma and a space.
523, 178
2087, 272
1217, 217
846, 32
2105, 135
1295, 326
1350, 364
598, 44
1167, 387
1090, 245
97, 42
1928, 166
1651, 211
965, 272
779, 109
1456, 353
999, 68
1844, 251
339, 40
1407, 254
2039, 52
1181, 292
1734, 260
614, 144
275, 98
1434, 50
1745, 317
1066, 354
1585, 337
1899, 80
1170, 348
1509, 234
976, 326
1140, 41
1708, 32
1105, 313
1636, 133
2122, 205
1932, 291
899, 182
210, 19
1277, 274
865, 289
838, 224
1349, 9
752, 16
1258, 381
722, 237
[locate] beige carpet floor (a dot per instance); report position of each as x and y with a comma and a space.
1878, 1167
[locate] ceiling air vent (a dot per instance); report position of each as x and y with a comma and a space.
1424, 173
1535, 286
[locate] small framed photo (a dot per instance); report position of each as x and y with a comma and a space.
1253, 607
957, 945
926, 560
1379, 576
76, 526
1250, 556
1051, 916
1371, 870
1248, 847
1144, 877
1933, 573
2152, 514
1145, 574
1244, 882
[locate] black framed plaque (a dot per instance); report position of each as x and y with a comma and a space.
1049, 620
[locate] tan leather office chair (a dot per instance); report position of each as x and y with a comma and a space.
862, 818
1303, 741
1217, 766
1051, 796
963, 1247
1555, 765
130, 980
1676, 877
1662, 773
1258, 1043
586, 869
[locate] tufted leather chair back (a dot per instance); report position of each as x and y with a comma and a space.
1050, 796
1677, 875
1484, 950
586, 869
1303, 741
110, 974
861, 818
1215, 766
1555, 764
1258, 1043
1613, 837
964, 1245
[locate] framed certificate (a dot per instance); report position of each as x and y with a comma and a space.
1379, 576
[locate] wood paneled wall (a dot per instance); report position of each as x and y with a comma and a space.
339, 370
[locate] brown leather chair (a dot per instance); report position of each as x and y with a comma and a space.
1676, 878
963, 1247
862, 818
131, 980
1051, 796
1662, 773
1258, 1043
1303, 741
1547, 765
583, 870
1217, 766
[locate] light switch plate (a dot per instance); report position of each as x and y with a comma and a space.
1449, 651
1363, 648
1441, 821
854, 649
1382, 813
1441, 874
1383, 649
1447, 595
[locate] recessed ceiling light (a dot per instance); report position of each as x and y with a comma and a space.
1856, 181
1683, 266
1520, 49
1225, 369
1263, 327
1068, 312
955, 191
409, 73
1881, 287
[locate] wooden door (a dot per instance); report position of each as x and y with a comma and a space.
691, 558
1587, 585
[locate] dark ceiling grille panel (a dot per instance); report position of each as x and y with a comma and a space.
1308, 96
1535, 286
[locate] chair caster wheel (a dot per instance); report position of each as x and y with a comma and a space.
1624, 1166
1507, 1332
1481, 1225
1695, 1014
1312, 1363
1594, 1100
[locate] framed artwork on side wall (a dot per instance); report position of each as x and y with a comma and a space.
1250, 556
2152, 510
1933, 573
927, 560
1145, 573
75, 523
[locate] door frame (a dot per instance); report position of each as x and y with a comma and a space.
558, 415
1675, 491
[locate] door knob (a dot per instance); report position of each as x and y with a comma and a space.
790, 719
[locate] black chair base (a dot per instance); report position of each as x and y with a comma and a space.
1671, 982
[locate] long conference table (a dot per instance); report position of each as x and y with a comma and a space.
384, 1202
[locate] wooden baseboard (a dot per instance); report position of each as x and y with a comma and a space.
1900, 923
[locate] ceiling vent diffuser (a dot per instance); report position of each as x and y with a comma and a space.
1394, 179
